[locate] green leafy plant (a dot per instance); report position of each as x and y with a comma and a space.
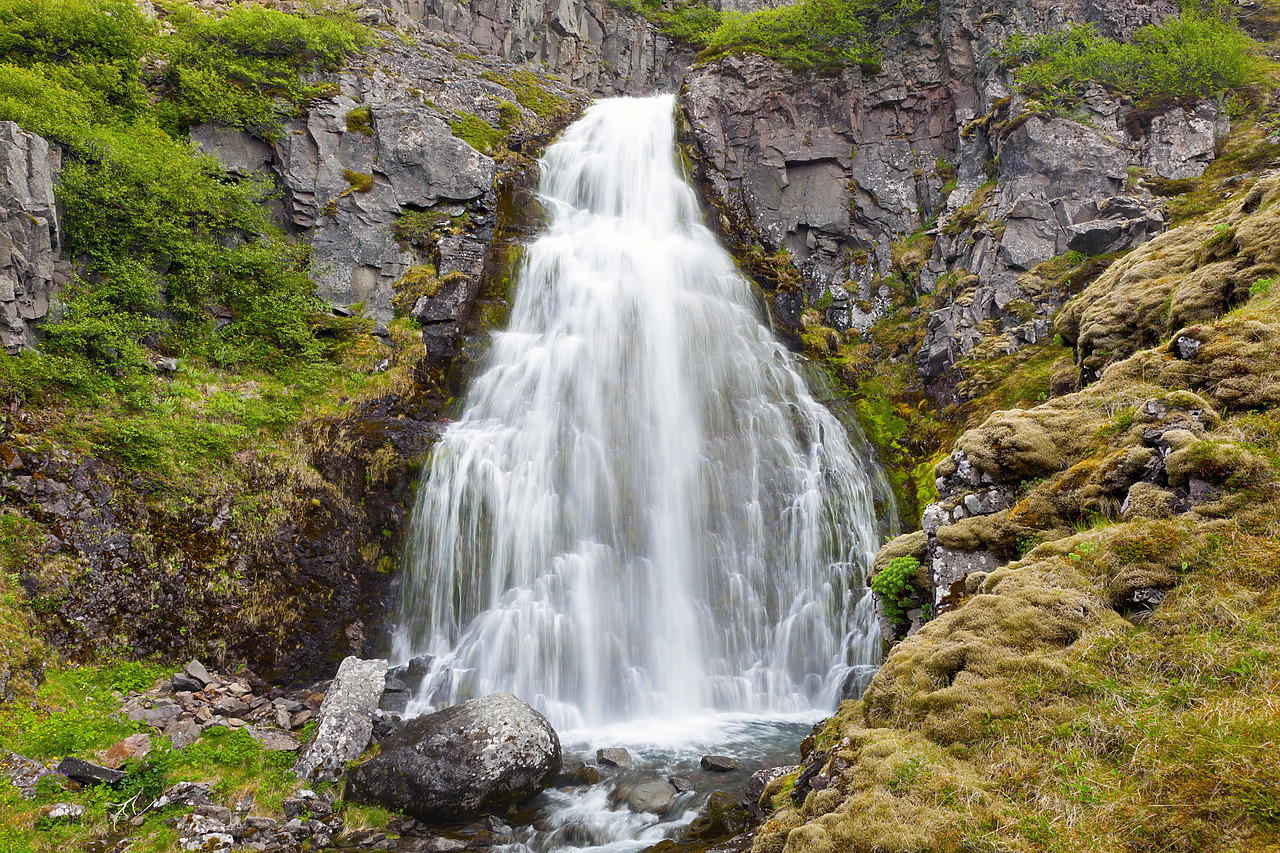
893, 585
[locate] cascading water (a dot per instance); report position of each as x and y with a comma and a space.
642, 511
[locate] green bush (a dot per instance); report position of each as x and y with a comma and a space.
1184, 60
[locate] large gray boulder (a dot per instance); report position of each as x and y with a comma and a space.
479, 756
346, 719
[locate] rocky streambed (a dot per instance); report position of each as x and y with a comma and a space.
487, 772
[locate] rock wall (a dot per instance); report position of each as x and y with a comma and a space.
834, 170
595, 46
30, 240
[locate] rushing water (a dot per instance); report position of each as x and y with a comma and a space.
642, 512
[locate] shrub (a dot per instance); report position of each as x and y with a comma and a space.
1184, 60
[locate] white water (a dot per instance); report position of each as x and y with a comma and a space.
642, 513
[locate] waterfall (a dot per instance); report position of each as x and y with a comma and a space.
642, 510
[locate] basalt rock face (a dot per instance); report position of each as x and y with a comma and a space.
382, 148
30, 242
835, 170
598, 47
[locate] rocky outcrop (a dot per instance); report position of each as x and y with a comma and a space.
833, 171
30, 242
478, 756
597, 46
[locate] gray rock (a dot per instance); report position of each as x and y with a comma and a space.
196, 670
759, 781
395, 696
614, 756
479, 756
30, 236
681, 784
197, 832
183, 682
652, 795
62, 812
273, 740
574, 772
188, 794
21, 772
346, 719
719, 763
182, 733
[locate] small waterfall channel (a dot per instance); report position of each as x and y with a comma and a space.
643, 523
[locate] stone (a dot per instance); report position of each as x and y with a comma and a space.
63, 812
30, 234
574, 772
87, 773
478, 756
161, 716
197, 832
444, 845
614, 756
230, 706
188, 794
183, 682
134, 747
719, 763
651, 795
395, 696
21, 772
346, 719
759, 781
196, 670
221, 814
681, 784
273, 740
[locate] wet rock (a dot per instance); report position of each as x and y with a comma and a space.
680, 783
614, 756
346, 719
87, 773
652, 795
719, 763
442, 845
759, 781
478, 756
574, 772
395, 696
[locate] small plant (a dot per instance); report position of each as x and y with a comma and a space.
1261, 287
893, 586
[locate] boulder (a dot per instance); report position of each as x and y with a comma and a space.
346, 719
650, 795
475, 757
21, 772
575, 772
272, 740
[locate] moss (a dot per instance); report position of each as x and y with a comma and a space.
358, 120
359, 181
476, 132
967, 216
